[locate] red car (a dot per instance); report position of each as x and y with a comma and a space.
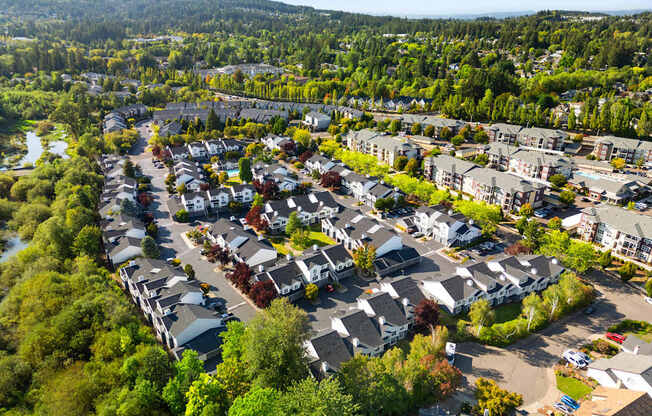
616, 337
330, 288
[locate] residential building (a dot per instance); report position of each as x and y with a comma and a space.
382, 146
172, 128
273, 142
194, 202
633, 371
197, 150
626, 232
527, 163
122, 249
605, 401
446, 171
189, 174
542, 138
326, 352
356, 184
243, 244
122, 225
446, 227
317, 121
631, 150
381, 191
608, 188
310, 209
438, 123
243, 193
218, 198
319, 163
500, 281
178, 153
503, 133
508, 191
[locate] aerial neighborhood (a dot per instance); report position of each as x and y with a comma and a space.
239, 208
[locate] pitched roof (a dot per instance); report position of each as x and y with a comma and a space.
384, 305
336, 253
624, 220
459, 288
184, 315
406, 287
616, 402
359, 326
331, 348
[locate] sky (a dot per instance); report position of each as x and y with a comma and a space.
435, 8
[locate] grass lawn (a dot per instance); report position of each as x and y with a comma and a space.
507, 312
572, 387
233, 180
321, 239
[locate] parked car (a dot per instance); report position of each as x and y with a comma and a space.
450, 352
569, 401
417, 234
227, 316
648, 300
541, 213
615, 337
574, 359
563, 408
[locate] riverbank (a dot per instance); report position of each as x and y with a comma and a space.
29, 147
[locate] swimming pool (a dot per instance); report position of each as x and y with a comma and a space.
588, 175
233, 172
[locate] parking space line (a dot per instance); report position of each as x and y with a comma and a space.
236, 306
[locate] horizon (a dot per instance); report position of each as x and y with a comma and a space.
421, 8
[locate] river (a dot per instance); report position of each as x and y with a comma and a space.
13, 246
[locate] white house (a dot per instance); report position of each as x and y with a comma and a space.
446, 227
218, 198
123, 249
184, 323
197, 150
243, 193
178, 152
633, 371
194, 202
317, 121
310, 209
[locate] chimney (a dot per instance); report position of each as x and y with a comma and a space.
355, 342
288, 257
405, 302
315, 247
363, 236
381, 320
533, 271
324, 367
261, 268
232, 218
450, 212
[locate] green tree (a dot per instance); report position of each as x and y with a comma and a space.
481, 314
648, 287
149, 247
627, 271
553, 300
189, 270
395, 126
605, 259
300, 238
205, 397
572, 120
294, 223
481, 137
416, 128
257, 402
532, 309
244, 164
567, 197
364, 258
188, 370
526, 210
302, 137
457, 140
558, 180
182, 216
618, 163
581, 256
316, 398
412, 167
400, 162
88, 241
311, 291
212, 122
555, 223
429, 131
499, 402
223, 177
273, 345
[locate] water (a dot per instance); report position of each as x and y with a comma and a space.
35, 149
588, 175
13, 246
233, 172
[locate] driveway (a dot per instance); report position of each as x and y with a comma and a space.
525, 367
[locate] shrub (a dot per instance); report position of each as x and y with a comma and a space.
648, 287
627, 271
182, 216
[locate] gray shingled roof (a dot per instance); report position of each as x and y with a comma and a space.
624, 220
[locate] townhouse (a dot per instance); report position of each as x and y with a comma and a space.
195, 203
221, 146
507, 280
122, 225
438, 123
384, 147
273, 142
218, 198
310, 209
189, 174
243, 193
381, 191
540, 138
173, 128
277, 174
355, 184
605, 401
629, 370
122, 249
243, 244
316, 121
631, 150
446, 227
178, 153
258, 115
626, 232
197, 150
379, 320
320, 163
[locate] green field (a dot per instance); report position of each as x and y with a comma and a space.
572, 387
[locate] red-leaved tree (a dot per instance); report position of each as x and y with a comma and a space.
241, 277
262, 293
305, 156
289, 147
145, 199
331, 180
517, 248
255, 219
426, 315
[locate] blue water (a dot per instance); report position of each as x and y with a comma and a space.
233, 172
588, 175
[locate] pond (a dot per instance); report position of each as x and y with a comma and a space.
13, 246
35, 148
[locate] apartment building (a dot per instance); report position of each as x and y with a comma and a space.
540, 138
626, 232
384, 147
508, 191
503, 133
446, 171
631, 150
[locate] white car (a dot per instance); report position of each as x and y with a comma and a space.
575, 358
648, 300
450, 352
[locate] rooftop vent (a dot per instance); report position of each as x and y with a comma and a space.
469, 283
356, 342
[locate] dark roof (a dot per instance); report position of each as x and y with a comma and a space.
208, 343
360, 326
406, 287
285, 274
458, 287
336, 253
184, 315
383, 305
331, 348
395, 258
150, 269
